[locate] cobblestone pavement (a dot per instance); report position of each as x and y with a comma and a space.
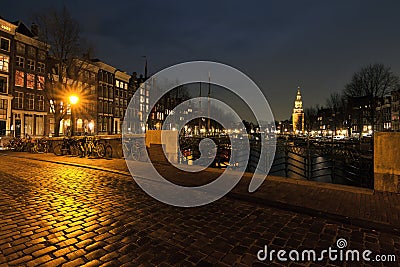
55, 215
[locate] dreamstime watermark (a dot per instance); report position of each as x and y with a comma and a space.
205, 108
340, 253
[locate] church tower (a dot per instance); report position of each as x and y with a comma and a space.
298, 114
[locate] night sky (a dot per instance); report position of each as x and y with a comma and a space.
316, 45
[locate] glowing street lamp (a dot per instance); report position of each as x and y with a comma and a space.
73, 100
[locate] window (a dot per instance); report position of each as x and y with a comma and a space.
4, 44
28, 124
19, 100
31, 64
3, 85
3, 109
39, 124
40, 82
126, 86
20, 48
30, 81
41, 103
31, 101
20, 61
40, 67
19, 78
52, 108
31, 51
41, 55
4, 60
117, 83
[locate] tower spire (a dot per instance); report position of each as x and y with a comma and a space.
298, 114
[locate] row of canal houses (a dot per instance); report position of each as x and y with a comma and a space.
25, 108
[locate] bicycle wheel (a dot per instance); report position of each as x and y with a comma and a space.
108, 151
58, 150
100, 150
74, 150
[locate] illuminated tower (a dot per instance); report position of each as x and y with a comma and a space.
298, 114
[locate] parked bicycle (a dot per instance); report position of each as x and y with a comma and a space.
67, 147
41, 145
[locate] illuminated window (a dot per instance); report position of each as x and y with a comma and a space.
19, 78
20, 48
52, 108
126, 86
30, 81
40, 83
20, 61
31, 64
3, 85
4, 61
41, 103
4, 44
31, 101
117, 83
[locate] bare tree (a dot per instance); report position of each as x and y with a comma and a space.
311, 116
336, 102
68, 61
372, 81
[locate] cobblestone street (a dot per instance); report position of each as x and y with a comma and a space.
60, 215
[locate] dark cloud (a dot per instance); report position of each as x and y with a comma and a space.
280, 45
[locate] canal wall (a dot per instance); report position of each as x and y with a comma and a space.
387, 162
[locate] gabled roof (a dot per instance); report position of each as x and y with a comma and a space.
23, 29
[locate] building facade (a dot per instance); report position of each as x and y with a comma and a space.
23, 109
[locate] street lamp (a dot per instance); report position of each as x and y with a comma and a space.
73, 100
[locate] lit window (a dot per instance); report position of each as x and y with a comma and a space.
126, 86
4, 44
30, 81
40, 83
19, 78
4, 60
117, 83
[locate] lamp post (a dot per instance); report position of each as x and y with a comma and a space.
73, 100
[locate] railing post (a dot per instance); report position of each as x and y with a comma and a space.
286, 160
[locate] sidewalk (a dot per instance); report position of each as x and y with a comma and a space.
356, 206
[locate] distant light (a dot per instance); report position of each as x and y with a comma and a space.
73, 99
